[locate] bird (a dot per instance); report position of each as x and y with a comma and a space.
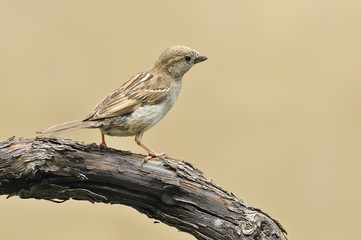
139, 103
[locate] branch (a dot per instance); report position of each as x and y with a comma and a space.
169, 190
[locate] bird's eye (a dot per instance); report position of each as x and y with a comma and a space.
187, 58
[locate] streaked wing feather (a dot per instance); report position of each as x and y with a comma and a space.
144, 88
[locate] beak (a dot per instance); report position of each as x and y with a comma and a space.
200, 58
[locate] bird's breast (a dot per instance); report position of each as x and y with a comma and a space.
143, 118
148, 115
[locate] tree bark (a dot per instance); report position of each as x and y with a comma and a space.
169, 190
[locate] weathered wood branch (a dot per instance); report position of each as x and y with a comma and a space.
169, 190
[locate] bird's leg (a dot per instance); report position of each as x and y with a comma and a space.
103, 144
151, 153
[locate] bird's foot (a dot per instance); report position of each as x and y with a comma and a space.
153, 155
102, 145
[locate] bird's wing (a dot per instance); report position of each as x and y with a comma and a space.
144, 88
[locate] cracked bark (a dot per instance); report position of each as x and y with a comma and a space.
171, 191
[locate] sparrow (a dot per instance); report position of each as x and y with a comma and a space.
139, 103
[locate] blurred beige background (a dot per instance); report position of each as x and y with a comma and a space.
273, 116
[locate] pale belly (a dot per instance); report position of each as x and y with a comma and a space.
139, 121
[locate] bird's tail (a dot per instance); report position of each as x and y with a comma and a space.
65, 127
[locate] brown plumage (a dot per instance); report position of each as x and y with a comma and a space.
139, 103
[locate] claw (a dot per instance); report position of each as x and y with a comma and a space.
103, 144
151, 153
161, 156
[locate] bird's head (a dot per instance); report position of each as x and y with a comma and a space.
177, 60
